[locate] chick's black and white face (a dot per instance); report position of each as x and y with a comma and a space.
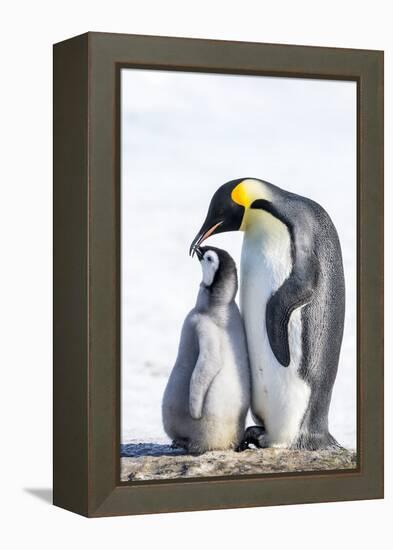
210, 263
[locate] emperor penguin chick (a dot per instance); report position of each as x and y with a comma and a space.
208, 392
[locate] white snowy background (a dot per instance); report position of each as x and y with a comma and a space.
183, 135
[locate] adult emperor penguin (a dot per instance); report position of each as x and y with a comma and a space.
207, 396
292, 298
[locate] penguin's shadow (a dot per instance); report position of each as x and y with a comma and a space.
136, 450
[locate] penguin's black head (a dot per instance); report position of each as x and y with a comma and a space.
230, 205
224, 214
219, 273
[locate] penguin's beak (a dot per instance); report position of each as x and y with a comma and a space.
203, 234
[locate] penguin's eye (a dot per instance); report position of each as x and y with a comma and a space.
209, 258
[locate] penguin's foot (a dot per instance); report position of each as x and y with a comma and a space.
254, 435
180, 443
316, 442
243, 445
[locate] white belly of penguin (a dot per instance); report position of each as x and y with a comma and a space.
279, 396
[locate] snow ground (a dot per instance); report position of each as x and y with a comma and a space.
183, 135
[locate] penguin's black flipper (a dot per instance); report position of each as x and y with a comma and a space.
296, 291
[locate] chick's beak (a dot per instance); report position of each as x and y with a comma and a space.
198, 252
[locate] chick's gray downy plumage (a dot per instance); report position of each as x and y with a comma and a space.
208, 392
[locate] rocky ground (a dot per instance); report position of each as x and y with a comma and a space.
149, 461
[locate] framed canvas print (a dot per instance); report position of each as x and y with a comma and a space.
218, 274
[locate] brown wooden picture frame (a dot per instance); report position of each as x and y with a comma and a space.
86, 418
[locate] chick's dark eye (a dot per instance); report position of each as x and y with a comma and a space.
209, 258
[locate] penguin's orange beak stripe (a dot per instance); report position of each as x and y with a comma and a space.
203, 237
209, 232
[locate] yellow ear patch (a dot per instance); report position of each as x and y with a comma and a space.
240, 195
248, 190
